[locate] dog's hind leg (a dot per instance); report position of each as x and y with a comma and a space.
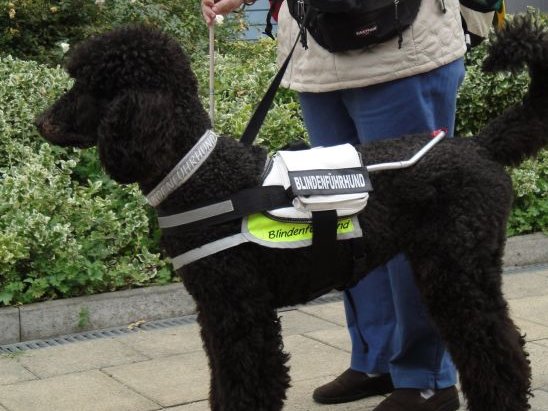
461, 284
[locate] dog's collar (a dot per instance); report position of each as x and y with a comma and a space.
184, 169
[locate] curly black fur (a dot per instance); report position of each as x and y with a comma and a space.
136, 98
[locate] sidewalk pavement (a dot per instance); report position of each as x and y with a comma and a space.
167, 369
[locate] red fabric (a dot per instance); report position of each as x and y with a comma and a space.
436, 132
277, 5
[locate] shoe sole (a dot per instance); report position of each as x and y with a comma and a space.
350, 398
451, 405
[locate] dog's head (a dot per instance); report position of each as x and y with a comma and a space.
135, 97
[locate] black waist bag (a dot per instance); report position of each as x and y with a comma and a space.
377, 21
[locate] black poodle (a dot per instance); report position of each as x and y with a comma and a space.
135, 97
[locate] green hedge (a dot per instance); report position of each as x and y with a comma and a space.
44, 30
40, 29
65, 229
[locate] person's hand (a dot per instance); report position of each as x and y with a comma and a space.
210, 8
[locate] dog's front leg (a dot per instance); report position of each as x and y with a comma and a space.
246, 360
210, 352
242, 337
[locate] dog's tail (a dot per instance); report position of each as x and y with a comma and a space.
521, 131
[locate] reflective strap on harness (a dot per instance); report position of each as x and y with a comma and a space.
241, 204
197, 214
208, 249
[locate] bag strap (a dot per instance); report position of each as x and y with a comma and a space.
257, 119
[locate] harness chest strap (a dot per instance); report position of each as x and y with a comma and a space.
208, 249
260, 229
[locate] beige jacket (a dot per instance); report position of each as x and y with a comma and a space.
478, 23
434, 39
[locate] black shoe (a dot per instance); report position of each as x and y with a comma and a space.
407, 399
352, 385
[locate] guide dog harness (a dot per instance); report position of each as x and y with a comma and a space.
307, 198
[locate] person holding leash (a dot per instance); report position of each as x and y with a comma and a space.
400, 86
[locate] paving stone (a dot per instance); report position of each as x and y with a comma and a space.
310, 358
543, 342
543, 272
540, 401
194, 406
166, 342
333, 312
81, 356
524, 284
11, 371
88, 391
533, 331
531, 309
335, 337
168, 381
298, 322
538, 354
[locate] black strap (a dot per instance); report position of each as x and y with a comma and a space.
245, 202
268, 28
324, 227
324, 241
257, 119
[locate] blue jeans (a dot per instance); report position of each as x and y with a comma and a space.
388, 313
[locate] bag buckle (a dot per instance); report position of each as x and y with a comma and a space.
301, 14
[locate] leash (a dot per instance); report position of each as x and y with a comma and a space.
257, 119
212, 74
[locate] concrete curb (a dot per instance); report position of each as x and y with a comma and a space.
526, 250
74, 315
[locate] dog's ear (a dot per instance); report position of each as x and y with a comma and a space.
136, 134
